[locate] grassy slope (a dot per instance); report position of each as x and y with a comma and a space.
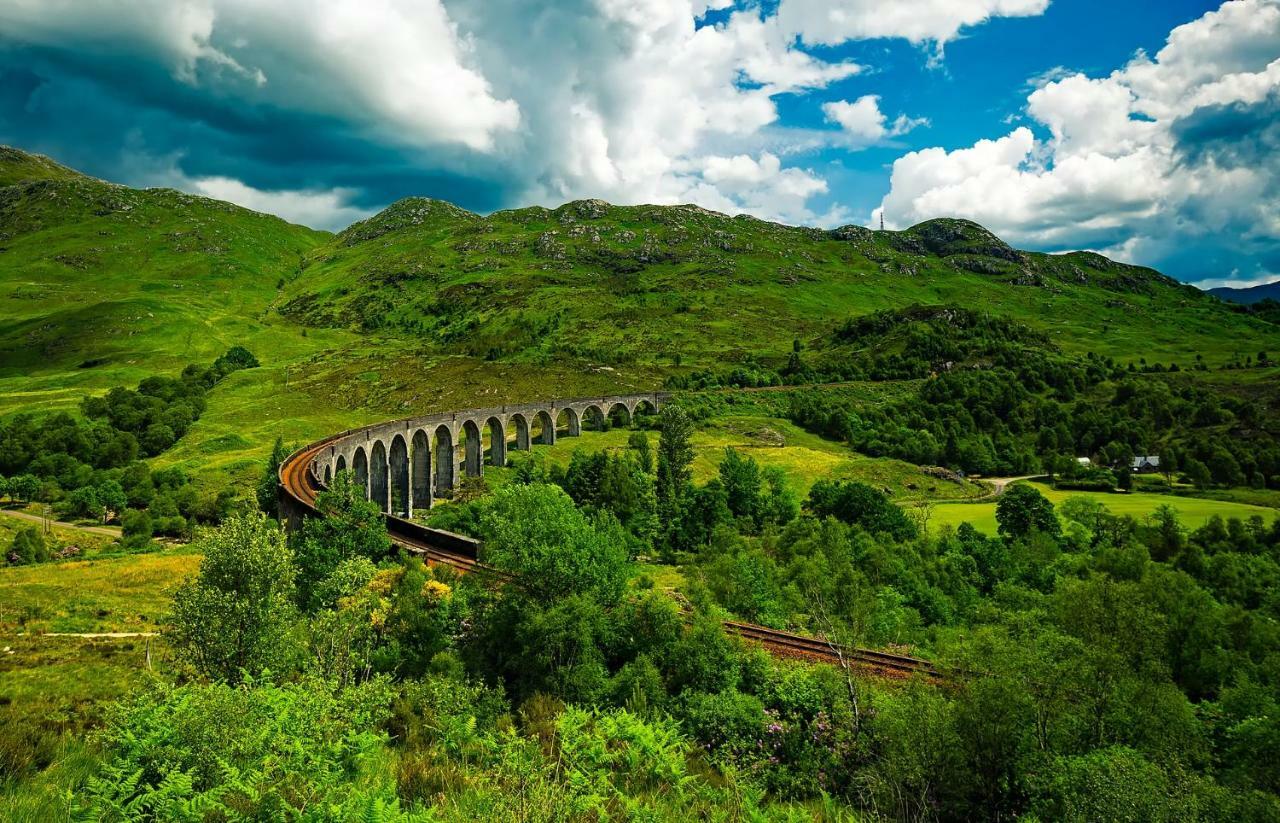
642, 284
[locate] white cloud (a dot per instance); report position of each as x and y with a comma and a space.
628, 100
831, 22
863, 120
319, 208
398, 69
1132, 162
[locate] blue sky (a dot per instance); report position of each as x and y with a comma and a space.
1145, 130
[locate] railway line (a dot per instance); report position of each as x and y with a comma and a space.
300, 486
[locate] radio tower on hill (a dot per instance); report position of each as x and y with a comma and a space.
882, 220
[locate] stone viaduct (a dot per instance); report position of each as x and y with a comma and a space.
405, 464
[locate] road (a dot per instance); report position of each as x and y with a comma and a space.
106, 531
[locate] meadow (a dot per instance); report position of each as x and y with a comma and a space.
1192, 511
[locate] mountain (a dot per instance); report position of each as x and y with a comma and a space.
661, 285
1247, 296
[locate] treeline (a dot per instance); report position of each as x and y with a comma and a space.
92, 467
1017, 420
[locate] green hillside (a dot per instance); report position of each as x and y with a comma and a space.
100, 283
661, 285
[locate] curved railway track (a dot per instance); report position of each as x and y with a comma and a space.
299, 488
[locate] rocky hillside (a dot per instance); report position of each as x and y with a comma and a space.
680, 284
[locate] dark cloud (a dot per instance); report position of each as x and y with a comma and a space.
132, 122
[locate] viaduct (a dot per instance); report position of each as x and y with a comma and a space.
405, 465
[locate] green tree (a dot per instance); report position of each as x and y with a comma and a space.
28, 546
536, 533
1198, 473
136, 528
740, 477
348, 526
270, 480
235, 617
1022, 510
675, 475
856, 503
638, 442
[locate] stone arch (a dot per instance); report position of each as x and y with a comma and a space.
419, 472
340, 465
593, 418
643, 406
328, 475
398, 459
379, 485
521, 424
619, 415
573, 423
360, 468
473, 454
446, 461
548, 424
498, 441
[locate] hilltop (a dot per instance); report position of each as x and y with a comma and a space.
668, 285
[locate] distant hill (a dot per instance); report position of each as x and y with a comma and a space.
679, 284
1247, 296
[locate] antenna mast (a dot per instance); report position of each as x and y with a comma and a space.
882, 220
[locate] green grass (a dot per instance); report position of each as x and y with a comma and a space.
1193, 512
129, 593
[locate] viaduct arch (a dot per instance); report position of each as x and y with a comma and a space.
405, 465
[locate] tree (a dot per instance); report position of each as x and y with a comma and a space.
858, 504
1022, 510
536, 533
136, 529
1198, 473
270, 480
111, 497
349, 526
83, 502
675, 456
28, 546
24, 488
741, 479
235, 616
638, 442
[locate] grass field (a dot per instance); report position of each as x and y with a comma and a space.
128, 593
1193, 511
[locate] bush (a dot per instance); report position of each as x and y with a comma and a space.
28, 546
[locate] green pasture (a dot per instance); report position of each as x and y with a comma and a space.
1192, 511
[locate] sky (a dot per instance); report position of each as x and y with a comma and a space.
1144, 129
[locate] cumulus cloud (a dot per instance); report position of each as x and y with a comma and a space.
863, 120
398, 68
831, 22
1169, 159
329, 107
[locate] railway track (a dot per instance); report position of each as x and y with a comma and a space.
299, 485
